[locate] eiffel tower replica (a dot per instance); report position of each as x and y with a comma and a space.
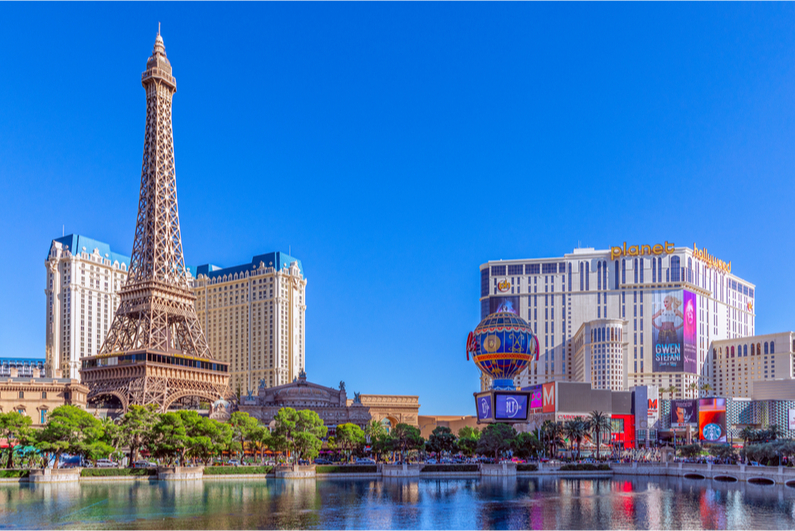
155, 351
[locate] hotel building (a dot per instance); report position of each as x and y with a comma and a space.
83, 276
252, 314
745, 367
253, 318
616, 317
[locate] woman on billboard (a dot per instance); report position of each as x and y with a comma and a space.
668, 316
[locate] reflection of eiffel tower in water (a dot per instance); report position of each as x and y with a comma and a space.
155, 350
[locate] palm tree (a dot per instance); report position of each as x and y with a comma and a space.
670, 390
747, 434
706, 388
552, 433
693, 386
575, 430
597, 423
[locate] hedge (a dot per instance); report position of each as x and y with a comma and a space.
96, 472
236, 470
584, 467
350, 469
14, 473
450, 468
526, 467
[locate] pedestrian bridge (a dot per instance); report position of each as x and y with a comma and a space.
760, 475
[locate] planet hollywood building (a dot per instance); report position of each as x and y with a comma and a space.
622, 317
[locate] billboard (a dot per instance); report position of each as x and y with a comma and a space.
510, 406
690, 332
791, 418
504, 304
483, 403
548, 397
667, 323
684, 412
536, 400
712, 419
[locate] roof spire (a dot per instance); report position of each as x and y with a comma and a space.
158, 28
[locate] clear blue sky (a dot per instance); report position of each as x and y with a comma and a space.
396, 147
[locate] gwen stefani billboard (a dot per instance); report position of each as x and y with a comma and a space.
675, 331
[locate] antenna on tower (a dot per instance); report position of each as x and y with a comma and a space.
158, 28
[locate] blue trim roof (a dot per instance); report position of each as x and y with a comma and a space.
76, 242
277, 260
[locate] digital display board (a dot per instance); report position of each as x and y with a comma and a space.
484, 406
504, 304
712, 419
684, 412
510, 406
667, 323
690, 335
791, 418
536, 400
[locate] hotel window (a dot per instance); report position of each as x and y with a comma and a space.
599, 275
772, 348
675, 269
43, 416
616, 274
22, 394
587, 277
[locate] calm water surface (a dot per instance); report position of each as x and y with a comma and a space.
522, 503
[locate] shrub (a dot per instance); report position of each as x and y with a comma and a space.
14, 473
97, 472
351, 469
236, 470
526, 467
450, 468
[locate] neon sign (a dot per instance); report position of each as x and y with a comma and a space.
711, 261
504, 286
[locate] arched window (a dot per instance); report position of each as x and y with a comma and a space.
758, 349
745, 351
690, 270
765, 347
752, 349
582, 275
623, 271
599, 275
616, 275
675, 269
772, 347
732, 352
636, 270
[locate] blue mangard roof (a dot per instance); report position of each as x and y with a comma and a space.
276, 260
75, 242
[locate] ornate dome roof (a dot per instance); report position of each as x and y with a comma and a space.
502, 321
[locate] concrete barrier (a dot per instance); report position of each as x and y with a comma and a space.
54, 475
295, 471
401, 471
177, 473
498, 469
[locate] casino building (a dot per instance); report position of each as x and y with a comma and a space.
622, 317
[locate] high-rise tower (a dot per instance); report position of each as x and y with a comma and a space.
155, 350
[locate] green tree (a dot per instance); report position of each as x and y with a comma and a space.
495, 439
376, 435
693, 386
706, 388
286, 421
169, 439
349, 436
576, 430
244, 428
14, 427
690, 450
136, 426
598, 423
441, 440
469, 431
467, 445
722, 451
747, 434
526, 445
407, 438
309, 432
72, 430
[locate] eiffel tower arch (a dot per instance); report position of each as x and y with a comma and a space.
155, 351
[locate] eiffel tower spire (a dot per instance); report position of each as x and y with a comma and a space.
156, 322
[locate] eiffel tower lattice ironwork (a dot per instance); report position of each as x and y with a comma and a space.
155, 350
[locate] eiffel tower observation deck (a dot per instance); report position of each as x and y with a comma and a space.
155, 350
